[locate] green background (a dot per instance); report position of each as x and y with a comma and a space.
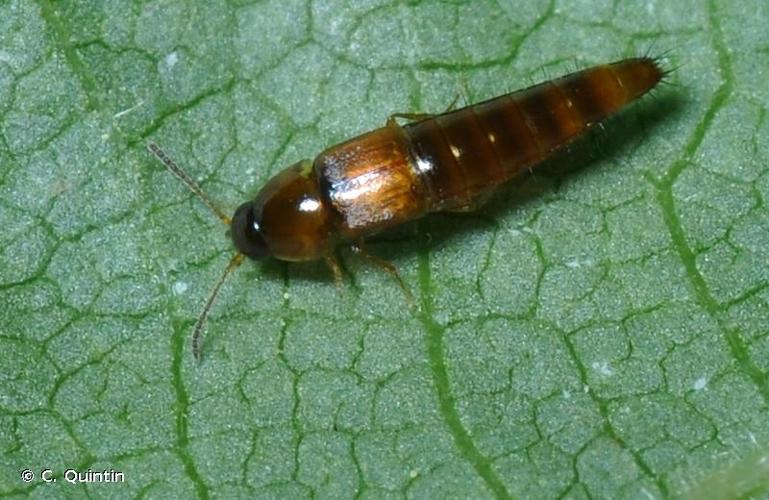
600, 333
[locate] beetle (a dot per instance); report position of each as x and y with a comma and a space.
446, 162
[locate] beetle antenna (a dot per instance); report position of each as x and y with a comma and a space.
187, 180
197, 332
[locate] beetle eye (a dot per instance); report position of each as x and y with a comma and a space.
246, 233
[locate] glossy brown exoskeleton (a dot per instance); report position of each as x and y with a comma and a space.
450, 161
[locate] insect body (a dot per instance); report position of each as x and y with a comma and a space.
445, 162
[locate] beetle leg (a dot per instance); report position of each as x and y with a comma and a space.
453, 103
333, 264
418, 117
359, 248
414, 117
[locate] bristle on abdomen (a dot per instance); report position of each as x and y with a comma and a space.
462, 154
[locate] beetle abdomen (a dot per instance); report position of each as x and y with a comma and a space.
461, 155
449, 161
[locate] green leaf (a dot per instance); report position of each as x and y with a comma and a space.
602, 332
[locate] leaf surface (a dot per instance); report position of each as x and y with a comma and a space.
600, 332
